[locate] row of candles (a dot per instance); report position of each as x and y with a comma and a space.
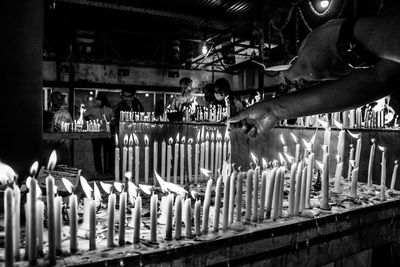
213, 113
209, 152
136, 116
87, 126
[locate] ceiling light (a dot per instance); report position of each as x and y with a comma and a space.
147, 95
204, 49
324, 3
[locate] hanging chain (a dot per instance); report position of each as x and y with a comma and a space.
318, 13
304, 19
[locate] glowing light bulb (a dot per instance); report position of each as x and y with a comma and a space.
204, 49
324, 3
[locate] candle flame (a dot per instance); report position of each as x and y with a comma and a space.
106, 187
396, 162
219, 136
97, 195
282, 139
324, 124
116, 140
202, 134
190, 141
198, 137
206, 172
119, 187
68, 185
227, 135
194, 194
254, 158
125, 140
373, 140
128, 176
133, 192
380, 104
382, 148
307, 145
147, 189
177, 138
87, 189
338, 124
146, 140
183, 140
319, 165
208, 136
295, 139
136, 139
355, 136
281, 158
34, 168
338, 158
52, 160
265, 163
212, 136
352, 163
289, 157
170, 141
7, 174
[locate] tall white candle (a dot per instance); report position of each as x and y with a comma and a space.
197, 210
325, 181
116, 159
212, 154
137, 158
351, 157
155, 160
338, 176
218, 193
327, 138
256, 178
92, 224
176, 159
196, 160
225, 149
297, 148
58, 222
146, 159
169, 159
310, 174
383, 173
249, 193
371, 162
239, 196
51, 219
137, 211
153, 217
124, 156
182, 162
168, 225
9, 227
207, 152
178, 217
303, 190
232, 197
163, 157
189, 161
188, 218
39, 225
264, 175
358, 152
110, 220
275, 201
341, 143
394, 175
218, 152
17, 223
122, 218
270, 193
292, 188
130, 156
354, 180
73, 222
206, 206
281, 189
298, 188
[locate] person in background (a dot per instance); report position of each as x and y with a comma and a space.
100, 109
59, 113
128, 102
185, 99
222, 89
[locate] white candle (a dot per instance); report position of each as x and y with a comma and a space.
122, 218
218, 154
155, 159
358, 152
232, 197
202, 155
137, 155
325, 181
182, 163
178, 217
310, 174
292, 188
270, 193
189, 148
153, 217
354, 180
58, 222
212, 155
394, 174
116, 159
383, 173
285, 151
168, 226
207, 152
225, 149
176, 159
137, 211
196, 161
256, 178
239, 195
124, 156
218, 193
264, 175
17, 223
338, 176
39, 225
249, 192
9, 227
327, 138
303, 190
351, 157
92, 224
130, 156
73, 222
51, 219
146, 159
163, 156
206, 206
281, 189
110, 220
275, 201
188, 218
197, 207
341, 143
298, 188
371, 162
169, 159
225, 211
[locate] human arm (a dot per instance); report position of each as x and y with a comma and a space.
358, 88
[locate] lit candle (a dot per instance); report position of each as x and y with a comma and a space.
17, 223
341, 139
232, 196
297, 151
275, 201
178, 217
73, 222
292, 188
146, 159
218, 193
176, 158
371, 162
122, 218
310, 174
124, 156
116, 159
207, 151
189, 148
225, 211
239, 195
51, 219
270, 193
163, 156
337, 189
188, 218
264, 175
383, 173
303, 189
351, 157
130, 156
153, 217
325, 180
168, 226
92, 224
197, 207
394, 174
182, 163
298, 187
137, 211
155, 158
206, 205
249, 192
136, 158
58, 223
218, 152
196, 159
110, 220
9, 227
256, 177
281, 189
212, 155
169, 159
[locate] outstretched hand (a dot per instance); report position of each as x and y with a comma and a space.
317, 59
255, 119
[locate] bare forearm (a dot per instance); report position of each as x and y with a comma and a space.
358, 88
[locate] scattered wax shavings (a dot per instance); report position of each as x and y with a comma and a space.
238, 227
